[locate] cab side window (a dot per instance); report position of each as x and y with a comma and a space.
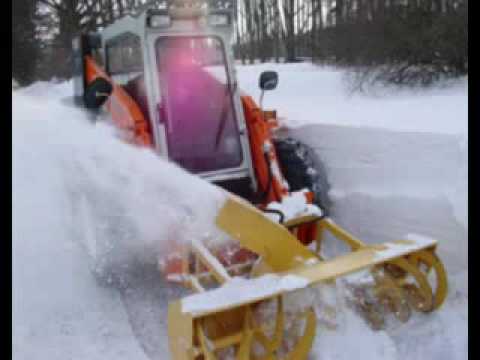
125, 67
124, 58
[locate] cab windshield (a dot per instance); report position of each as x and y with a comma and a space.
197, 103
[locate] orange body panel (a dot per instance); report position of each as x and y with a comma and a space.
259, 134
125, 112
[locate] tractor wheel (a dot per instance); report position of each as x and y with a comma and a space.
303, 169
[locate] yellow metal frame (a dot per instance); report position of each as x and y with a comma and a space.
202, 335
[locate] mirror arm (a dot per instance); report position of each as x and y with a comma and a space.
261, 99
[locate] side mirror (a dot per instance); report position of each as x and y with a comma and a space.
97, 93
268, 80
94, 40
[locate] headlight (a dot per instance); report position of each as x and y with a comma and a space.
159, 21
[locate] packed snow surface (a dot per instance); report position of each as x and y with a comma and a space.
396, 160
307, 94
61, 161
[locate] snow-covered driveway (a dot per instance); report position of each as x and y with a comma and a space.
397, 163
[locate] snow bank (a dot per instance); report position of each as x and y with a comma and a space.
309, 94
132, 183
60, 161
51, 90
397, 161
58, 310
387, 183
398, 164
442, 334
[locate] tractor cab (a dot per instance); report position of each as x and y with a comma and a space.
196, 106
177, 66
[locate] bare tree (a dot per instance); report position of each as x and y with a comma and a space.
403, 34
24, 44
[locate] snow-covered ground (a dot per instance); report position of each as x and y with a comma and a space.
74, 181
390, 157
397, 164
308, 96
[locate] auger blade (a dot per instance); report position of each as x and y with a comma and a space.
203, 324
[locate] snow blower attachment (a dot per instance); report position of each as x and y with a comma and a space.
205, 324
157, 65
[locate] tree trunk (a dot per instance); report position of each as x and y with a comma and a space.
24, 46
263, 31
290, 35
249, 31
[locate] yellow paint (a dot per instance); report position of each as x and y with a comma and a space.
202, 335
180, 333
277, 246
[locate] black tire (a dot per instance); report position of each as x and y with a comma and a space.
302, 169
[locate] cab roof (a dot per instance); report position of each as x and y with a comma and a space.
181, 20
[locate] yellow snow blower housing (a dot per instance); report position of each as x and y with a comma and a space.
167, 77
207, 323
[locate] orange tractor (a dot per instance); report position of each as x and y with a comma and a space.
168, 80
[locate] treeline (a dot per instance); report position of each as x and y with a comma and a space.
400, 41
54, 24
